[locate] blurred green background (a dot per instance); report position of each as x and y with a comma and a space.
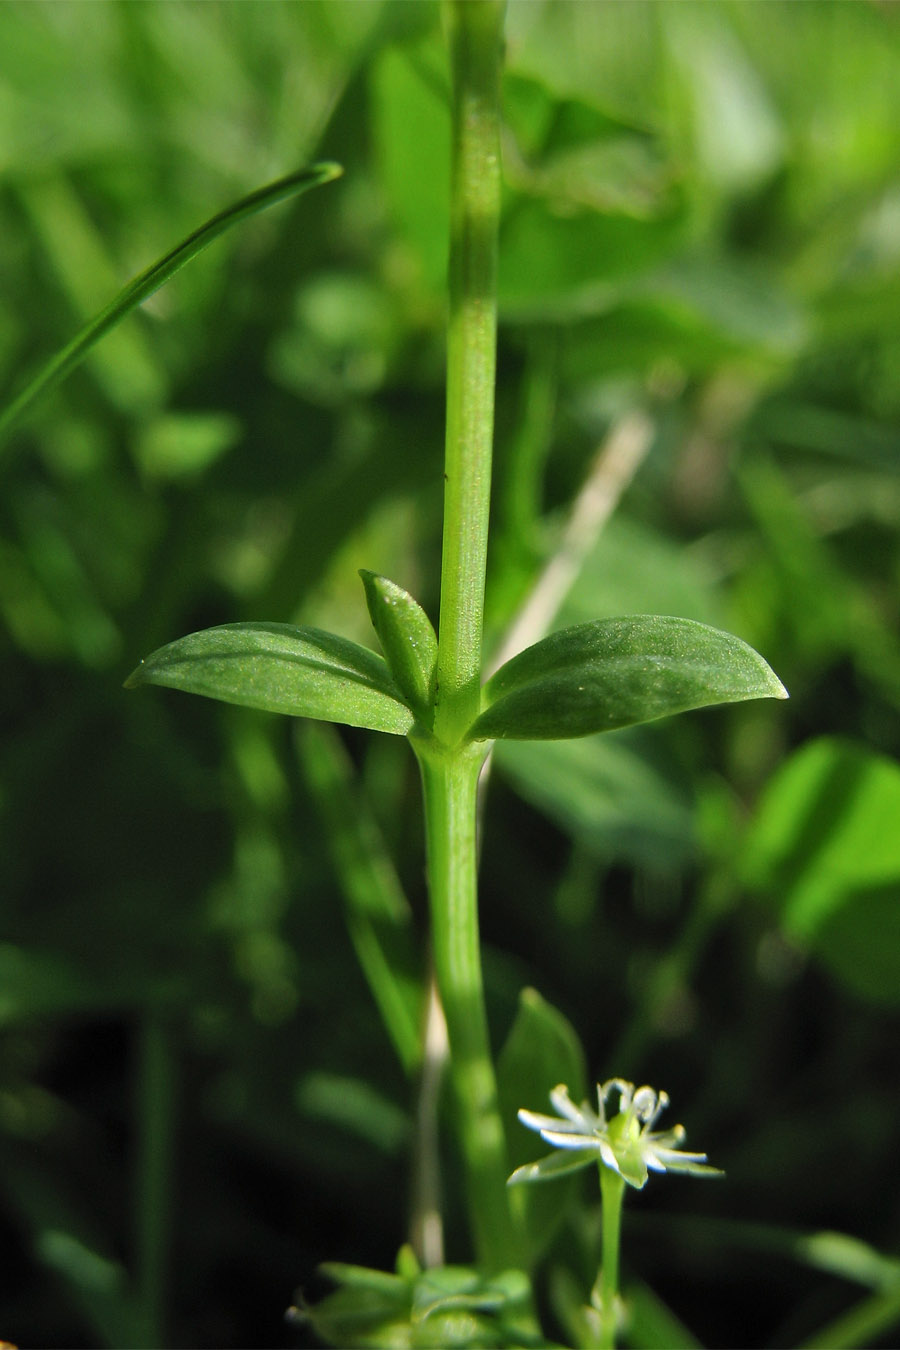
201, 1097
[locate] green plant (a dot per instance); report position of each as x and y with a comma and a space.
626, 1149
595, 677
816, 846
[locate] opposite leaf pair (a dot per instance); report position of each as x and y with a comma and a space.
592, 677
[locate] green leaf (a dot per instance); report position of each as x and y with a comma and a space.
275, 667
38, 983
407, 639
371, 1308
652, 1323
177, 446
865, 1323
541, 1050
848, 1257
447, 1305
410, 115
824, 845
95, 1282
632, 567
615, 672
554, 1165
146, 283
67, 1241
383, 1283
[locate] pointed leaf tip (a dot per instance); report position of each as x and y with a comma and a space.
275, 667
617, 672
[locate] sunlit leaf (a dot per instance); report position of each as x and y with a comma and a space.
616, 672
304, 672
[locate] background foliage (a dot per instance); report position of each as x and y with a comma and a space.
702, 222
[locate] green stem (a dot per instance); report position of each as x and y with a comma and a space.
450, 782
612, 1193
476, 28
450, 768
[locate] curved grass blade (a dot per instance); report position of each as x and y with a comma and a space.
617, 672
276, 667
149, 281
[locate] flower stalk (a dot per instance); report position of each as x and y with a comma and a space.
626, 1149
612, 1196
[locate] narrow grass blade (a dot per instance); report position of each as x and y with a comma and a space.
867, 1322
144, 285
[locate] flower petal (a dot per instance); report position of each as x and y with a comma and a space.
563, 1138
564, 1105
625, 1091
534, 1121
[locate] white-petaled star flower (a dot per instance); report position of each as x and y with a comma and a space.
625, 1142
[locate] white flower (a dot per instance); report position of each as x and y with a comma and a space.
626, 1142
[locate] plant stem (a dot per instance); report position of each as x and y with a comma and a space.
450, 768
612, 1193
476, 28
450, 783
